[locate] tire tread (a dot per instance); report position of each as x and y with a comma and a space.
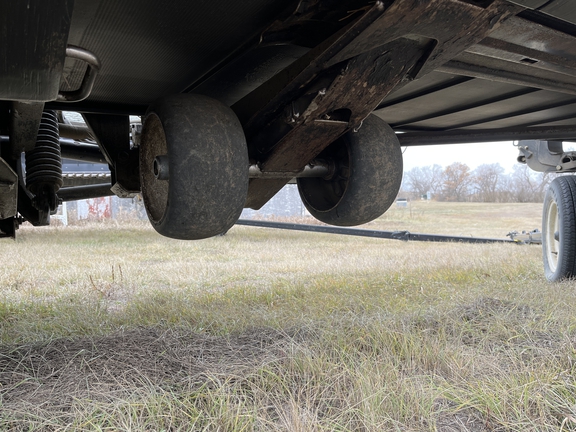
563, 192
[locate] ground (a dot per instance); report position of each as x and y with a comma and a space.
120, 329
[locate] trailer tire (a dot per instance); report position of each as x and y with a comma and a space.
193, 166
366, 180
559, 229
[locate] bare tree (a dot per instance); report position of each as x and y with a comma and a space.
422, 180
487, 180
526, 185
456, 181
507, 188
487, 183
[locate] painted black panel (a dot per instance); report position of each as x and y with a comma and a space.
150, 48
538, 38
562, 9
562, 123
425, 85
513, 107
538, 118
456, 98
532, 4
33, 35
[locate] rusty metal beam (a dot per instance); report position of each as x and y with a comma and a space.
358, 88
351, 73
259, 107
468, 25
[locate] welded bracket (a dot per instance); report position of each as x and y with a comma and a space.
546, 156
24, 124
113, 135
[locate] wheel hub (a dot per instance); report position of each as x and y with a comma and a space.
154, 167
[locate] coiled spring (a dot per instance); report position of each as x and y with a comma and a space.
44, 164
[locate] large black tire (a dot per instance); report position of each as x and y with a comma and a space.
559, 229
367, 180
203, 181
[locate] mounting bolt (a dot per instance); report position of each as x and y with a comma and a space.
558, 167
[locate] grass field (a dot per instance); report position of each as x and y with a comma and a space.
112, 327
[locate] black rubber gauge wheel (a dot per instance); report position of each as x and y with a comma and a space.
367, 177
193, 166
559, 229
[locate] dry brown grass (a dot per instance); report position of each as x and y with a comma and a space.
467, 219
108, 327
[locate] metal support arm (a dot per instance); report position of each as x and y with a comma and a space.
546, 156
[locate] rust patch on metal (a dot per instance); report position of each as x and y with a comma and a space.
353, 71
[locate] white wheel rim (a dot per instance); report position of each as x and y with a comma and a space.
552, 245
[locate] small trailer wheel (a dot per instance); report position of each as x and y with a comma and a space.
367, 179
559, 229
193, 166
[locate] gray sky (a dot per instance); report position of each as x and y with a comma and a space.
472, 155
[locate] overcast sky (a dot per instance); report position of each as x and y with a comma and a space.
472, 155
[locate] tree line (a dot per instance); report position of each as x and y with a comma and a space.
486, 183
